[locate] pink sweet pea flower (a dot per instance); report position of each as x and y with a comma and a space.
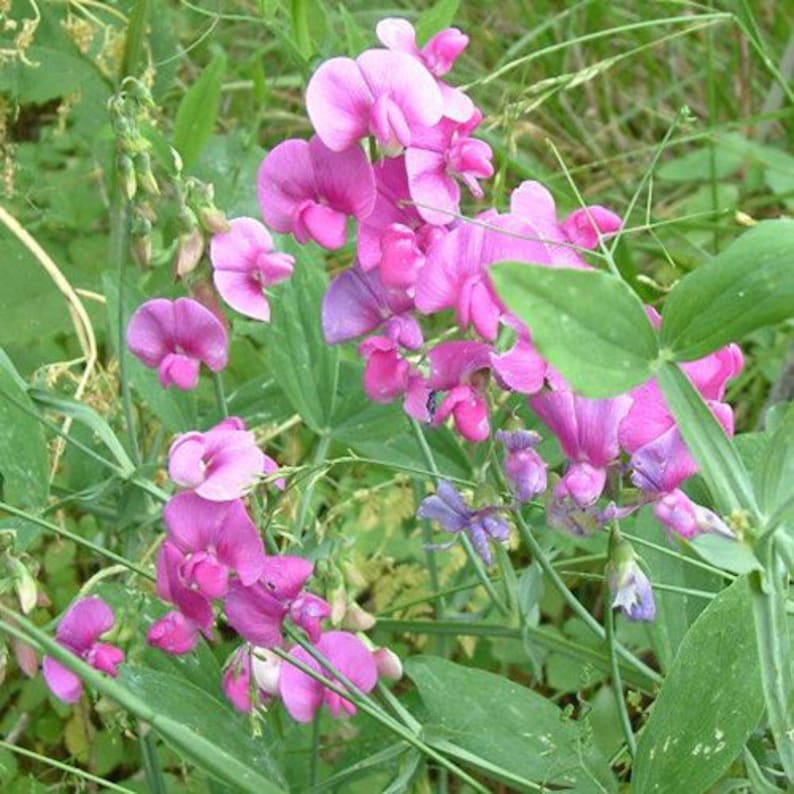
172, 588
217, 539
459, 368
357, 303
79, 631
176, 337
438, 56
174, 633
220, 465
586, 226
678, 513
394, 238
245, 264
381, 93
521, 369
257, 612
304, 696
308, 190
437, 158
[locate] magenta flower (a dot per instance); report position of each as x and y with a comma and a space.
308, 190
79, 632
216, 539
521, 369
393, 237
257, 612
357, 303
459, 368
304, 696
171, 587
449, 509
381, 93
176, 337
220, 465
524, 468
245, 264
174, 633
438, 56
437, 159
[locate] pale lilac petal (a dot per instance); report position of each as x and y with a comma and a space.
63, 683
663, 464
84, 623
243, 293
338, 101
447, 507
352, 307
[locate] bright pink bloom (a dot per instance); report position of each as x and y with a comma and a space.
459, 368
245, 264
438, 56
172, 588
217, 539
584, 227
303, 696
437, 158
257, 612
381, 93
310, 191
220, 465
521, 369
176, 337
79, 631
174, 633
393, 237
357, 303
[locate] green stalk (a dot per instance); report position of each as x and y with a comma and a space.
320, 456
220, 395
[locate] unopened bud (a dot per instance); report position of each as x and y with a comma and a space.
358, 619
188, 255
24, 584
214, 220
388, 664
338, 601
142, 250
143, 171
630, 587
743, 219
127, 176
26, 657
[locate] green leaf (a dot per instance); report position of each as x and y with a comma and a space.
303, 365
775, 474
501, 727
198, 112
589, 324
23, 447
709, 703
745, 287
432, 20
721, 467
730, 555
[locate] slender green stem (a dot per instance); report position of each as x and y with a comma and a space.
573, 601
220, 395
314, 761
682, 557
319, 459
65, 533
669, 588
72, 770
152, 769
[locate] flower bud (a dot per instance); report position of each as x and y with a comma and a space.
188, 255
143, 171
678, 513
126, 170
26, 657
358, 619
630, 587
524, 468
24, 584
388, 664
213, 220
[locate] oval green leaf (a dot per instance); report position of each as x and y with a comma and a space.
709, 703
587, 323
745, 287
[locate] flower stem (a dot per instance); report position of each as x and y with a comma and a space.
220, 395
320, 455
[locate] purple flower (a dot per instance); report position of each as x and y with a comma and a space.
304, 696
176, 337
220, 465
257, 612
79, 632
381, 93
449, 508
310, 191
630, 587
524, 467
216, 540
245, 264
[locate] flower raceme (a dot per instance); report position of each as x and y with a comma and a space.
80, 631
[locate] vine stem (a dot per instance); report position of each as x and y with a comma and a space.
220, 394
320, 455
